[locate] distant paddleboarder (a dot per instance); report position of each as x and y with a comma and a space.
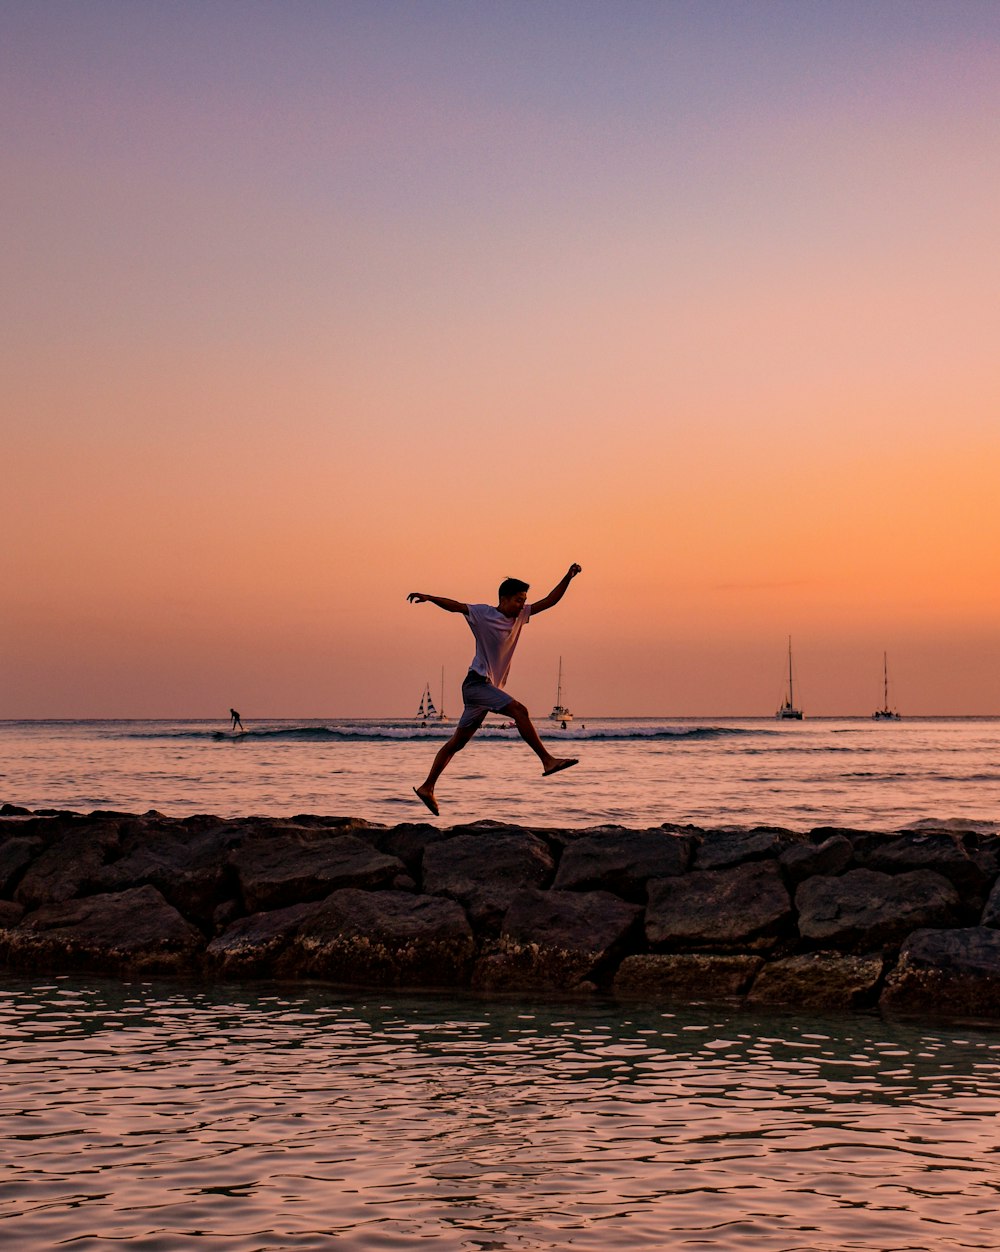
497, 631
236, 720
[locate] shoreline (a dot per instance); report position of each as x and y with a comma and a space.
903, 922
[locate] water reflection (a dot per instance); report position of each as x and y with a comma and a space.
250, 1118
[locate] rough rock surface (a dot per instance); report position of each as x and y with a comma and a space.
719, 849
285, 867
133, 931
556, 939
382, 938
687, 975
745, 907
804, 860
484, 872
908, 920
944, 852
864, 909
623, 864
819, 980
947, 973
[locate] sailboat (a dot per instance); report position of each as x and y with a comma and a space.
788, 711
885, 714
559, 711
427, 709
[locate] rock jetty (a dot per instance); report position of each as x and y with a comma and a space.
831, 919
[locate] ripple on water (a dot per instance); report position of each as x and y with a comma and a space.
166, 1115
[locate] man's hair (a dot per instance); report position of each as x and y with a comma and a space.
511, 587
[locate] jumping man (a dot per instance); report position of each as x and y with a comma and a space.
497, 631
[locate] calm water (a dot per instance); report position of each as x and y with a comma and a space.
175, 1117
632, 772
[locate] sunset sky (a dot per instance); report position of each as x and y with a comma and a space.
310, 305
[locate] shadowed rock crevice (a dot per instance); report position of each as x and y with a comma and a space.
835, 919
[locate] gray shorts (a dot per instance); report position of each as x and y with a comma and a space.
481, 697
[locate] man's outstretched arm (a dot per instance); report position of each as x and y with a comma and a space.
450, 606
557, 592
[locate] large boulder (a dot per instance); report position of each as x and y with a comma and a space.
949, 853
132, 932
623, 862
688, 976
485, 873
186, 862
720, 849
10, 913
819, 980
16, 853
744, 908
250, 946
382, 939
805, 860
991, 909
863, 910
408, 842
947, 973
556, 940
70, 865
290, 866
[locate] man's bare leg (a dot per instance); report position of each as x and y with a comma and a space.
550, 764
440, 763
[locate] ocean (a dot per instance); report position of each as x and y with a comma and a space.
168, 1114
633, 772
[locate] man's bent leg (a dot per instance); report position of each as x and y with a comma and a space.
526, 729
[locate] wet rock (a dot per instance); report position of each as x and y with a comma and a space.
131, 932
484, 874
991, 909
15, 855
225, 914
408, 842
187, 865
864, 910
292, 867
745, 907
944, 852
947, 972
250, 946
13, 810
69, 866
556, 940
623, 862
806, 860
720, 849
690, 976
382, 939
819, 980
10, 913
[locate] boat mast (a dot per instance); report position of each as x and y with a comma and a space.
791, 691
559, 687
885, 681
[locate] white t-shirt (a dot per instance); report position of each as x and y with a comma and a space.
496, 639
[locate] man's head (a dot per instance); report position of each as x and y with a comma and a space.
512, 595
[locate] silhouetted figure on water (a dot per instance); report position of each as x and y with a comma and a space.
236, 720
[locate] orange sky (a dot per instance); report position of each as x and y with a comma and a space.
312, 306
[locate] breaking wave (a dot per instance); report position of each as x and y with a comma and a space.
394, 732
